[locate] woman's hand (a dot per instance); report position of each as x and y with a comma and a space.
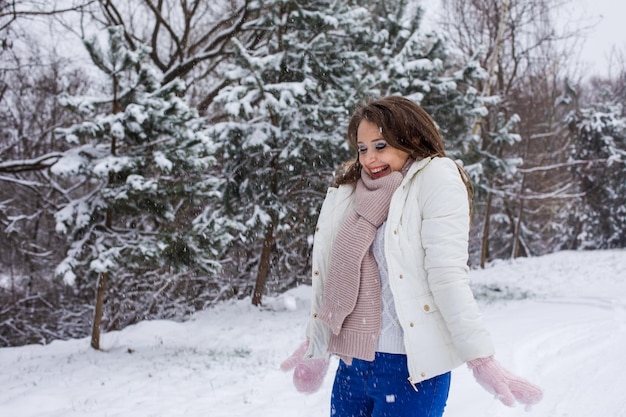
308, 374
507, 387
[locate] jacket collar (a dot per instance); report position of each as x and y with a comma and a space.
415, 168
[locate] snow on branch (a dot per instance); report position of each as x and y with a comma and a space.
568, 164
33, 164
25, 183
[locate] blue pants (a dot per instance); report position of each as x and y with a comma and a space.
380, 389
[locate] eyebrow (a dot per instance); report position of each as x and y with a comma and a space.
373, 140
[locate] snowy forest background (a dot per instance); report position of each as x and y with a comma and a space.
159, 156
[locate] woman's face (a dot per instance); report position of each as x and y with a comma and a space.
377, 157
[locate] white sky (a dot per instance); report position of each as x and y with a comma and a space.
601, 22
608, 33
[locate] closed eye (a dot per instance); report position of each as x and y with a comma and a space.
379, 146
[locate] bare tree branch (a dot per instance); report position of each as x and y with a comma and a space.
568, 164
15, 11
215, 47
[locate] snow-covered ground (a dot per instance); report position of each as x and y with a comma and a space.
559, 320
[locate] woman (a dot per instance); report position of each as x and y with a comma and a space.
391, 294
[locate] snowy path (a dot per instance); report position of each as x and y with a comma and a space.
573, 347
558, 320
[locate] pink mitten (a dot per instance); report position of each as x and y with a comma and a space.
504, 385
309, 373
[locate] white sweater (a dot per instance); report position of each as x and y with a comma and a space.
391, 339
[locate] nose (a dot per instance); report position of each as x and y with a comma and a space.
369, 157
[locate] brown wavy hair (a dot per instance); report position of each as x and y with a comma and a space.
404, 125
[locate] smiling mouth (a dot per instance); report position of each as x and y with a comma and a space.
379, 172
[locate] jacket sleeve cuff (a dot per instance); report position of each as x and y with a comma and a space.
475, 363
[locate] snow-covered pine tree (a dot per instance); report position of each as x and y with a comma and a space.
599, 164
282, 134
135, 185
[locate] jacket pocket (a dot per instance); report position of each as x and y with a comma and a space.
434, 317
427, 304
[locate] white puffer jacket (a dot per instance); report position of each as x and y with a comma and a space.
426, 245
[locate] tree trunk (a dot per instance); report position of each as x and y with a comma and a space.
97, 317
268, 240
518, 224
102, 279
484, 251
264, 265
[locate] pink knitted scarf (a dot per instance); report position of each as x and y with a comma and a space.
352, 297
